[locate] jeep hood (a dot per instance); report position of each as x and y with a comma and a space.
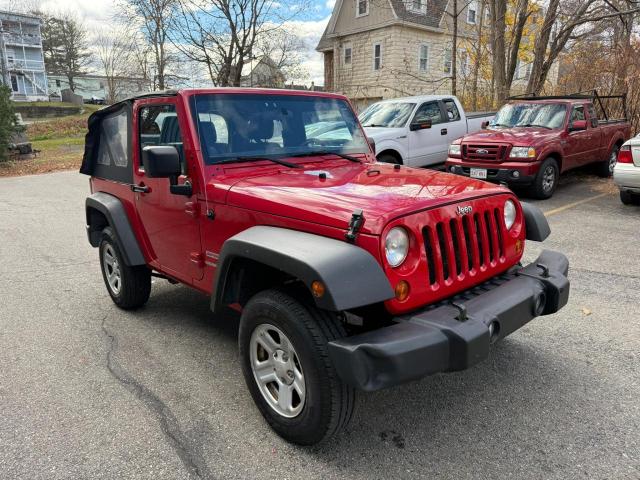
515, 136
382, 192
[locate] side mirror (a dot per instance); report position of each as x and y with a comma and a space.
578, 125
484, 125
161, 161
420, 125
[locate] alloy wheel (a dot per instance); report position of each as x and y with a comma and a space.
277, 370
112, 269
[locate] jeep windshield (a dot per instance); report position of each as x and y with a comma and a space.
530, 115
388, 114
257, 126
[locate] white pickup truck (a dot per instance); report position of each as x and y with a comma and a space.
417, 131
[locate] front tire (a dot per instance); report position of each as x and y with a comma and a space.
129, 287
546, 180
286, 365
629, 198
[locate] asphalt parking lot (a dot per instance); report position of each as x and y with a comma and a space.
88, 391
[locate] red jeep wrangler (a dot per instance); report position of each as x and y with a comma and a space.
349, 274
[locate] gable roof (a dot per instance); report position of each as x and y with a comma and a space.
432, 18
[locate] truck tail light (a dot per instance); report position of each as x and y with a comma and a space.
624, 155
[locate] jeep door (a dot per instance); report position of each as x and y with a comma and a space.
170, 221
429, 145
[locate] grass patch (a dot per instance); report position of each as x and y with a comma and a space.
63, 127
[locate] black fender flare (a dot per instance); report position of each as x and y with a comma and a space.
537, 227
351, 275
113, 210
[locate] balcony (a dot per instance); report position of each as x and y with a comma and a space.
23, 39
20, 65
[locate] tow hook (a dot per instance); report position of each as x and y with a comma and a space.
357, 219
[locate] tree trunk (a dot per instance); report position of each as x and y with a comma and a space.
475, 74
498, 21
454, 50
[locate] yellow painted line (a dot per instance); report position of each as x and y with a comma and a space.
574, 204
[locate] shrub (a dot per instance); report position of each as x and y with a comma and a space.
8, 125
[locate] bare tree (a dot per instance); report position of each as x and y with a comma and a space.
114, 51
65, 46
154, 19
285, 49
222, 35
562, 24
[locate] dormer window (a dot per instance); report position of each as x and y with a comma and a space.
417, 6
362, 8
472, 13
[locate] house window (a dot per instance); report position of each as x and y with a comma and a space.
14, 83
472, 11
377, 56
423, 58
447, 60
362, 8
417, 6
347, 55
58, 83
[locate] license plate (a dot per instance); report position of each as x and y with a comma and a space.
478, 173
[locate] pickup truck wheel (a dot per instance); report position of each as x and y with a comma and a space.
388, 158
546, 180
129, 287
605, 169
286, 365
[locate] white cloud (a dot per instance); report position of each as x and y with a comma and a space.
330, 4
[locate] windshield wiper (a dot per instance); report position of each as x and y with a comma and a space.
257, 159
327, 152
374, 125
499, 125
535, 125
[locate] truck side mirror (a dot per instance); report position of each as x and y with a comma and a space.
161, 161
484, 125
578, 125
420, 125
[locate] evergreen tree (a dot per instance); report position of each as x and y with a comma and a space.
8, 125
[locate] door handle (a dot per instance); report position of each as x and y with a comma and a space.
142, 188
443, 131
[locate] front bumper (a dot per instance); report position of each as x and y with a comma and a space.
503, 172
627, 176
454, 335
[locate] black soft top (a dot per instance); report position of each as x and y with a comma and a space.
107, 146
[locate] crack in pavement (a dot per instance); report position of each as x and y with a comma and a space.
192, 461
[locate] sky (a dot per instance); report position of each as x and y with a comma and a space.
97, 14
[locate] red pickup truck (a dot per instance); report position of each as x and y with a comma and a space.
349, 274
532, 140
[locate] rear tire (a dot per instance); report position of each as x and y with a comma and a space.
604, 169
546, 181
284, 343
129, 287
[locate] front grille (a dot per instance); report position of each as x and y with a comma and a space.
459, 246
488, 152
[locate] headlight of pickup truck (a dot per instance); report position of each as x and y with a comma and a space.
509, 214
523, 152
396, 246
454, 149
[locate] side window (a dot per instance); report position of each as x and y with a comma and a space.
577, 113
428, 111
593, 116
113, 160
158, 125
453, 115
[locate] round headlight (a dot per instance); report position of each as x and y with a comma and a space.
396, 246
509, 214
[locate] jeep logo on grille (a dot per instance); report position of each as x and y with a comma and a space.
466, 210
482, 151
